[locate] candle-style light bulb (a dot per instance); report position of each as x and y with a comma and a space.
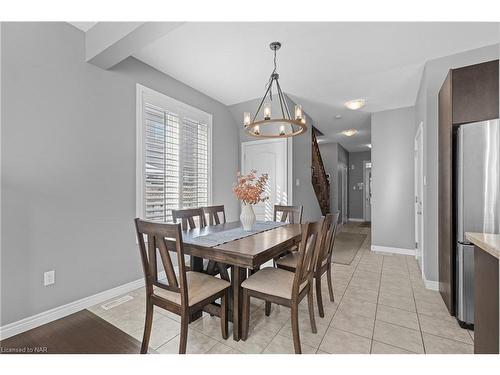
256, 130
282, 129
298, 112
267, 111
246, 118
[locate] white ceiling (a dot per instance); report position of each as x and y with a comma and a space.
321, 65
84, 26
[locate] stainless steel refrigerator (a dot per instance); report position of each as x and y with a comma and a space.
477, 192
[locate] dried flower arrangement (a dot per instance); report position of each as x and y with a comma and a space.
249, 188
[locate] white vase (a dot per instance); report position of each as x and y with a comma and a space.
247, 217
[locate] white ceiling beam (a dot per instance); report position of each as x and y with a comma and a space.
108, 43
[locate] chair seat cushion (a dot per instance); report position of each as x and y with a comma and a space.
273, 281
199, 285
289, 260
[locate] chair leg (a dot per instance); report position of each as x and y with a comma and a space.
329, 281
295, 328
319, 297
245, 315
184, 332
147, 327
268, 308
223, 314
310, 305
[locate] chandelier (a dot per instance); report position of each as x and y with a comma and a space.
279, 127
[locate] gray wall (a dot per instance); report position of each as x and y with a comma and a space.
392, 178
356, 171
68, 166
302, 153
427, 112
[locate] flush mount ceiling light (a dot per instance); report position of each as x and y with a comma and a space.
281, 127
338, 117
349, 132
355, 104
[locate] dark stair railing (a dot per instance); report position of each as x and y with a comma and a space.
319, 178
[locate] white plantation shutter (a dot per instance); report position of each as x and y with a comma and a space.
175, 156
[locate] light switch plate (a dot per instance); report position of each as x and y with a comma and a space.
49, 278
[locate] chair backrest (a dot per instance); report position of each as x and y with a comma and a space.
155, 234
308, 254
213, 214
331, 239
187, 217
328, 237
292, 214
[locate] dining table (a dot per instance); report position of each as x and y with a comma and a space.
242, 255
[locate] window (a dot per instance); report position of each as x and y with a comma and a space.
173, 156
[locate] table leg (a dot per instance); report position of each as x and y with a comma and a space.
238, 275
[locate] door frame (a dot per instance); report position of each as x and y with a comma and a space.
365, 185
419, 145
344, 197
288, 159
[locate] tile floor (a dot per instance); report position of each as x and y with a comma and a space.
381, 307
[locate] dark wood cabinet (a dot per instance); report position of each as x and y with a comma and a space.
486, 302
468, 94
475, 93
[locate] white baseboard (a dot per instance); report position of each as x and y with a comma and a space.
393, 250
432, 285
48, 316
355, 219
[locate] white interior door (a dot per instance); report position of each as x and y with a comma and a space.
268, 156
419, 197
367, 190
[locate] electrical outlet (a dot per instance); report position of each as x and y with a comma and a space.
49, 278
297, 182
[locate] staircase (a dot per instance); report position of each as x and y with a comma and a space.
319, 178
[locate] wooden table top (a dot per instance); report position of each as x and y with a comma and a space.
246, 252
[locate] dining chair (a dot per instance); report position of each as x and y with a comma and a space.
188, 218
182, 294
290, 214
276, 285
324, 263
213, 214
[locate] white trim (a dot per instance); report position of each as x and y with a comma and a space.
419, 145
59, 312
431, 285
393, 250
366, 185
355, 219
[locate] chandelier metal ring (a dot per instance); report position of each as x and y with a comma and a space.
302, 128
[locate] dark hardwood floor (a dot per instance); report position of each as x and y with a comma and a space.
79, 333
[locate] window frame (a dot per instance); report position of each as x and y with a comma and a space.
184, 110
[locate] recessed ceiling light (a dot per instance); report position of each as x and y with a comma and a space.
349, 132
355, 104
338, 117
369, 145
